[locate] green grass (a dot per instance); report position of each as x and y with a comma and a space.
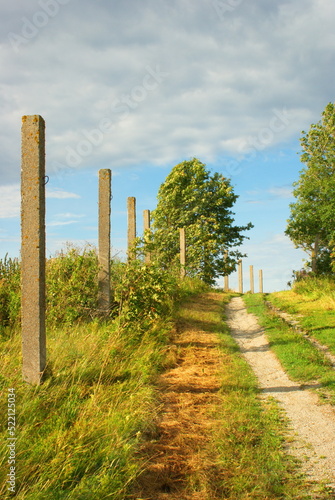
77, 433
247, 451
313, 300
250, 436
302, 361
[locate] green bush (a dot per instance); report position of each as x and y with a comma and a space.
142, 290
9, 293
72, 286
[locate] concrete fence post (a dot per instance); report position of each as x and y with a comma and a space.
226, 283
226, 277
105, 196
182, 240
33, 248
146, 227
131, 205
260, 281
252, 287
240, 277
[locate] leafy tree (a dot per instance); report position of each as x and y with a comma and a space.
311, 225
201, 202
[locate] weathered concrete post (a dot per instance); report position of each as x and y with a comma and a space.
240, 277
226, 283
131, 205
252, 288
33, 248
260, 281
105, 196
182, 240
146, 227
226, 277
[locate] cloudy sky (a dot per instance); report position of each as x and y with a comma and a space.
138, 86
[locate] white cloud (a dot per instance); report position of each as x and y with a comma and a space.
275, 192
60, 194
281, 191
223, 78
61, 223
69, 215
10, 201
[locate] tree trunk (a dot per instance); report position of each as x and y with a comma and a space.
315, 252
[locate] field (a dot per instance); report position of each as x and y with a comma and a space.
93, 427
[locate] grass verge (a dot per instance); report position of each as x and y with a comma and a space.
250, 435
314, 301
78, 433
241, 452
302, 361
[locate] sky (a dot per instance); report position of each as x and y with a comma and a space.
138, 87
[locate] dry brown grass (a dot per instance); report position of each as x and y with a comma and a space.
180, 461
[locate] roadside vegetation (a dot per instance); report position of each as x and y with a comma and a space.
78, 433
301, 359
313, 301
250, 434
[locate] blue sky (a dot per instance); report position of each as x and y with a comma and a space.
138, 87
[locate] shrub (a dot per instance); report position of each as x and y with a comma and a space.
143, 290
72, 286
140, 290
9, 293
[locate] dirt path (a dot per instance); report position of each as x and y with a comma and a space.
312, 423
179, 453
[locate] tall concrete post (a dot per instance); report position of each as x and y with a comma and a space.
260, 281
182, 240
226, 283
131, 206
146, 227
105, 196
252, 288
226, 277
240, 277
33, 248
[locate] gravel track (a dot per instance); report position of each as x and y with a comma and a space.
313, 424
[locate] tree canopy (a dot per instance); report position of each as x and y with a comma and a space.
311, 225
201, 202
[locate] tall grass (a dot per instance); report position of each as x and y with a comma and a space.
79, 432
316, 287
313, 301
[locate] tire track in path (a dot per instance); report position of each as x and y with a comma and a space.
313, 423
